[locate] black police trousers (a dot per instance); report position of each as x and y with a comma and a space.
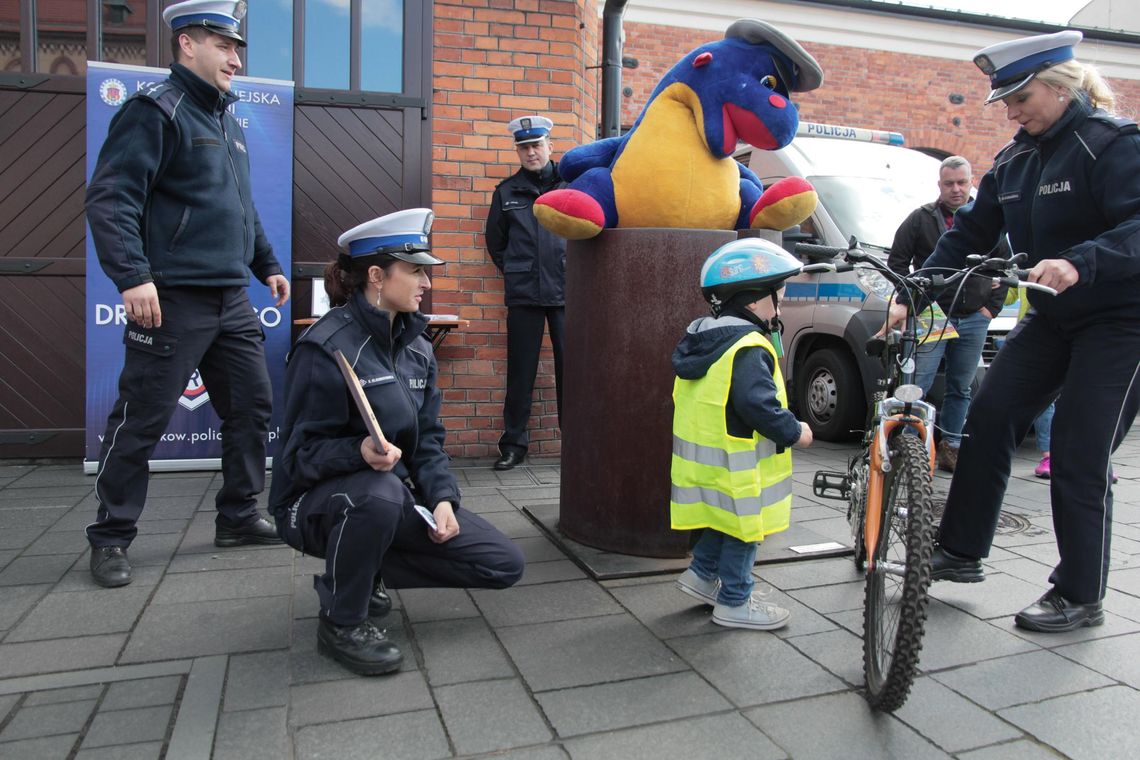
364, 526
216, 331
1093, 365
525, 326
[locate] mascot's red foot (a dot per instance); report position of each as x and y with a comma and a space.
570, 213
785, 204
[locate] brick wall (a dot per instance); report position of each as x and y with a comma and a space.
495, 60
866, 88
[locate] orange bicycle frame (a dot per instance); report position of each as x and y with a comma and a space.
872, 515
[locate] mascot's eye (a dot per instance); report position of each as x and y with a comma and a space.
769, 82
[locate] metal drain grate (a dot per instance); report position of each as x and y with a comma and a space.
1009, 523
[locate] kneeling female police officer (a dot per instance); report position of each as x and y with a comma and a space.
334, 494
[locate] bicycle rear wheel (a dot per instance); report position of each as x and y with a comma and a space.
894, 610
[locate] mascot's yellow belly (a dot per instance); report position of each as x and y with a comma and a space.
666, 176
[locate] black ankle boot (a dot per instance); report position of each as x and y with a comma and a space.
362, 648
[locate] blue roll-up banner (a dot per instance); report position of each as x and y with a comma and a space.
265, 112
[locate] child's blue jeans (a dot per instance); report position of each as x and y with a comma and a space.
719, 555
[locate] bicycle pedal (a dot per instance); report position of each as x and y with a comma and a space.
831, 485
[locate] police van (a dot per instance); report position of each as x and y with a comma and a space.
867, 183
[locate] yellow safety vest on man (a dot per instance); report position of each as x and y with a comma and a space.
738, 486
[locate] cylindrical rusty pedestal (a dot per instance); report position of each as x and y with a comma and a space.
630, 294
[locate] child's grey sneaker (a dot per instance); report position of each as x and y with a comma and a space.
755, 614
691, 584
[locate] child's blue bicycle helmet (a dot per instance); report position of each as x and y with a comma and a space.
749, 264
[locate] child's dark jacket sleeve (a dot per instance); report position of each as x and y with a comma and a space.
753, 398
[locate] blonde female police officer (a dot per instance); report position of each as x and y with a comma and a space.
1067, 188
334, 494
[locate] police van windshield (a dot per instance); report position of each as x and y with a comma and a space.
867, 188
871, 208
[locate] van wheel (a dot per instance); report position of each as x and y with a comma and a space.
829, 395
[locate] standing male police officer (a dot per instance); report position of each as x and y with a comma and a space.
174, 226
533, 262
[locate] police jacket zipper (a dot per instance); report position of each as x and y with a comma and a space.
237, 182
408, 397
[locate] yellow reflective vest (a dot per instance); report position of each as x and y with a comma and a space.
739, 486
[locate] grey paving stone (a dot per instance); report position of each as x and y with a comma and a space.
545, 603
727, 736
93, 611
16, 538
61, 475
548, 752
539, 549
1023, 749
1092, 724
828, 599
27, 571
1001, 595
425, 604
357, 697
1114, 657
34, 498
753, 667
838, 651
224, 584
7, 702
252, 735
38, 749
128, 726
6, 557
52, 541
663, 609
307, 665
484, 716
484, 503
47, 720
17, 600
411, 736
179, 485
306, 603
943, 716
154, 549
71, 694
1018, 679
193, 629
591, 650
839, 725
14, 515
513, 524
35, 657
1127, 581
232, 559
954, 638
822, 572
257, 680
455, 651
605, 707
146, 692
144, 751
550, 572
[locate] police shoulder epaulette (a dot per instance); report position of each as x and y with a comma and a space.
326, 327
163, 95
1116, 123
1100, 129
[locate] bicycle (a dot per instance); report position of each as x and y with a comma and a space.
889, 482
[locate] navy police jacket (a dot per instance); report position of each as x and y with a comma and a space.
1072, 192
170, 200
531, 257
323, 429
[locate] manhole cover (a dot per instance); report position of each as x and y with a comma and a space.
1008, 522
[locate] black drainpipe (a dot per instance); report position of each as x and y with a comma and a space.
611, 67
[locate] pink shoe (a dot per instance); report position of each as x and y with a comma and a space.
1043, 470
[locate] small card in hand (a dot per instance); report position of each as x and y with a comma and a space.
357, 392
429, 518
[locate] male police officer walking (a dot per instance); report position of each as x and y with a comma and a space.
533, 262
174, 226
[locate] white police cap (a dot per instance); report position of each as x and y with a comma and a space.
1011, 65
528, 129
218, 16
402, 235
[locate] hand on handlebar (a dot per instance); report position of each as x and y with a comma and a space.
895, 317
1059, 274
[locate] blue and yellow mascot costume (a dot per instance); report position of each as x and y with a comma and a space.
674, 168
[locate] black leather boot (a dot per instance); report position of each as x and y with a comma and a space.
362, 648
109, 566
260, 531
1053, 613
379, 604
945, 566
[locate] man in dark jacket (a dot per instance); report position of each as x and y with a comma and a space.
969, 310
173, 222
533, 262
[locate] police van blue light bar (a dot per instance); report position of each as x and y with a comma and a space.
812, 129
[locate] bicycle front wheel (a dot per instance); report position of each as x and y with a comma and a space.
894, 610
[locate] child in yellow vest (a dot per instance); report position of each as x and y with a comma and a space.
731, 471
